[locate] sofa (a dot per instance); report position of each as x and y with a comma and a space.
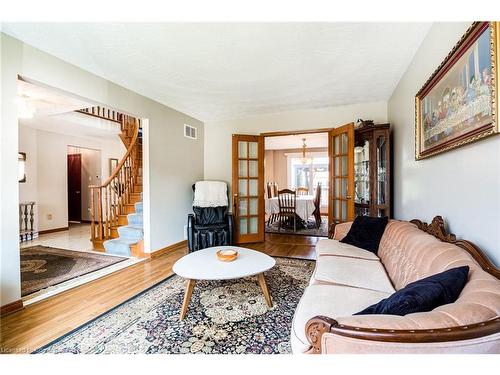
348, 279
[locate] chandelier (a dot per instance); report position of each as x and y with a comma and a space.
304, 159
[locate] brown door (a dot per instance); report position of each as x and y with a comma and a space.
248, 188
74, 187
341, 148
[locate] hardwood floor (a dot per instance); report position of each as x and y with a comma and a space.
42, 322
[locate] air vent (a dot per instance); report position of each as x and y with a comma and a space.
189, 131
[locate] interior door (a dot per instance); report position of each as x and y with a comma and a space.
75, 187
248, 188
341, 149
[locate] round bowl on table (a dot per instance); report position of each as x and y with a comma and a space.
227, 255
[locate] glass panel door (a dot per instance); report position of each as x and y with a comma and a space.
341, 148
248, 188
382, 181
362, 179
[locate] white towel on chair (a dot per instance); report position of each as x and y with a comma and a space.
210, 194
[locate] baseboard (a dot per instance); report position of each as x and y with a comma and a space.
173, 247
47, 231
11, 308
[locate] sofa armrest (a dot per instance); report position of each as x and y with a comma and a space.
327, 335
339, 231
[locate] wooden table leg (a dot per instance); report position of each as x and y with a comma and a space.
263, 286
187, 297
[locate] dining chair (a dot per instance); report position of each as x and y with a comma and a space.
302, 191
269, 190
275, 189
317, 204
287, 205
270, 194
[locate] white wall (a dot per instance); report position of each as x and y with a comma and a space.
218, 134
28, 191
462, 185
175, 161
46, 171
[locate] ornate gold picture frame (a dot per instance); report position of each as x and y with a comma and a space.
458, 103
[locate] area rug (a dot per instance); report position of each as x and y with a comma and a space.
310, 230
43, 266
224, 317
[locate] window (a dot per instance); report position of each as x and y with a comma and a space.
309, 175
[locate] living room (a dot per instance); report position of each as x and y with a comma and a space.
388, 142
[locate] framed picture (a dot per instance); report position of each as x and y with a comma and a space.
113, 163
457, 105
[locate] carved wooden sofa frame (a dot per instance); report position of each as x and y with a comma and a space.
317, 326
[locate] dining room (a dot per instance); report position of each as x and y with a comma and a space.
296, 170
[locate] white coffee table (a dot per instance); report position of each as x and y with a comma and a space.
204, 265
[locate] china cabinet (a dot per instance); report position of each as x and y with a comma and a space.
372, 170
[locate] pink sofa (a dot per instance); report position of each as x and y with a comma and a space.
348, 279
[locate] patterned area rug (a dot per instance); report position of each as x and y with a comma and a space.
223, 317
311, 229
43, 266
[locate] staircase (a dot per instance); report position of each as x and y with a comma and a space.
116, 205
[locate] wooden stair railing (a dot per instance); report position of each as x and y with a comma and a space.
26, 221
101, 112
108, 200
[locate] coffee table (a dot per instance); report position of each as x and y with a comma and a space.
204, 265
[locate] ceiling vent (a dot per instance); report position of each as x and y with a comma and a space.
189, 131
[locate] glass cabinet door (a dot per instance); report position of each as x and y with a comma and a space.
381, 175
372, 171
362, 189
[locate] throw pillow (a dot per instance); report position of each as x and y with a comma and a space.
423, 295
366, 232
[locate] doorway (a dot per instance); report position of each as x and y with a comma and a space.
74, 188
84, 170
254, 186
299, 163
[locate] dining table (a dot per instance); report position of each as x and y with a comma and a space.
304, 206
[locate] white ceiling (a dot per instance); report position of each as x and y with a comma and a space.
216, 71
76, 124
54, 112
43, 101
285, 142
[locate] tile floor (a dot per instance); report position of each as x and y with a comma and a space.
77, 238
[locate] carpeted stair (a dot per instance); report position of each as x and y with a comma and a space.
128, 234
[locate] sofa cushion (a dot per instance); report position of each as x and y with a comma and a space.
423, 295
366, 232
359, 273
334, 247
329, 300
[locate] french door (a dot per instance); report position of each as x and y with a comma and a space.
341, 148
248, 188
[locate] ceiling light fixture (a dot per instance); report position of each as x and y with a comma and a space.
304, 159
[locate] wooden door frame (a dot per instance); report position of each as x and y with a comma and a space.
260, 236
328, 131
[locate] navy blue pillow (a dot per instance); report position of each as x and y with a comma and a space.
423, 295
366, 232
